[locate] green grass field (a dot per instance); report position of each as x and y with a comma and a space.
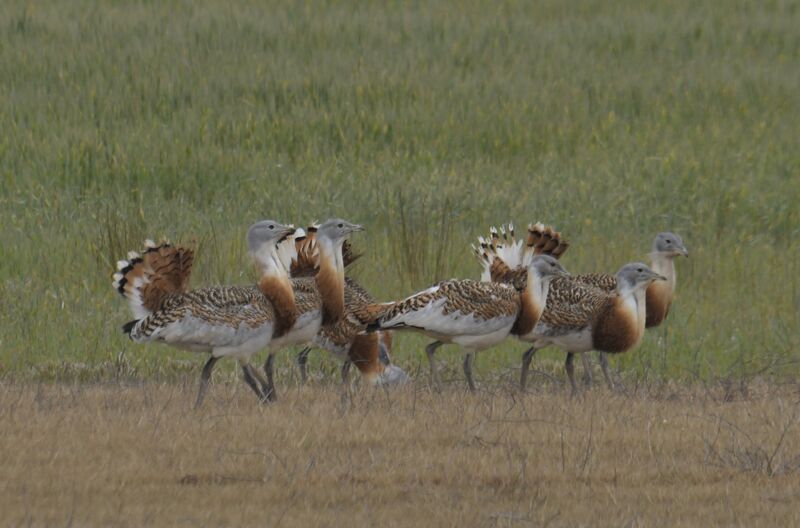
427, 122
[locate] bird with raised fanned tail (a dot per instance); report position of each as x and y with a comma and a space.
370, 353
235, 321
474, 315
319, 299
501, 258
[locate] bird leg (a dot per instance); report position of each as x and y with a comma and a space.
346, 372
431, 351
205, 377
302, 359
606, 373
269, 367
469, 359
261, 380
570, 366
587, 370
527, 357
250, 379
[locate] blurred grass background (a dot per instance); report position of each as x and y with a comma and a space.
427, 122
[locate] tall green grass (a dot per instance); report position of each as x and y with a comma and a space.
427, 122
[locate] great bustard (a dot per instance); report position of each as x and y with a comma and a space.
220, 321
370, 353
319, 300
659, 296
502, 260
474, 315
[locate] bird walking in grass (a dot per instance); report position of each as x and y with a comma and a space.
503, 257
319, 299
221, 321
659, 295
369, 353
474, 315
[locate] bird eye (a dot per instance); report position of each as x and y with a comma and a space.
640, 270
341, 225
271, 226
669, 241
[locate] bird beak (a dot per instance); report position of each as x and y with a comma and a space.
684, 252
657, 276
286, 231
356, 227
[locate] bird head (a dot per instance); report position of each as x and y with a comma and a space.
336, 230
669, 245
547, 267
267, 232
637, 275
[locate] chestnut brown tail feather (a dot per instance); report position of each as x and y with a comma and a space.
148, 278
546, 241
306, 264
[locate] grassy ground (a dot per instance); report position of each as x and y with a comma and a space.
426, 122
133, 455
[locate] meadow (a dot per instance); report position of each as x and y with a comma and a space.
427, 122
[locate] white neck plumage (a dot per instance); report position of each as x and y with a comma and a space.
332, 251
536, 289
633, 300
665, 265
268, 262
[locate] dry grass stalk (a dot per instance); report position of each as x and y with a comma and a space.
115, 454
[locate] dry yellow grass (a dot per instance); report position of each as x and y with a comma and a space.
136, 455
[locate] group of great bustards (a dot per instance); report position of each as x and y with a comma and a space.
303, 297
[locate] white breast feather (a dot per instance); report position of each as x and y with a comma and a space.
304, 330
197, 334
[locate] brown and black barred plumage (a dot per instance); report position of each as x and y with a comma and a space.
453, 308
370, 353
505, 259
222, 321
474, 315
583, 312
147, 279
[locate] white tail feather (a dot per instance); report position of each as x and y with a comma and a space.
287, 250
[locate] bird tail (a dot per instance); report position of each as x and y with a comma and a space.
544, 240
305, 260
370, 315
146, 279
500, 255
286, 248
